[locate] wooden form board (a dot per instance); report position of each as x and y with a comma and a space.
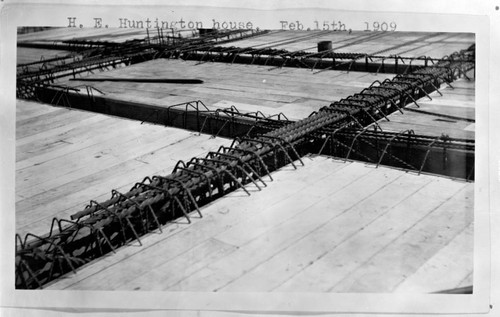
271, 90
292, 91
329, 226
116, 35
65, 158
28, 55
435, 45
408, 44
446, 114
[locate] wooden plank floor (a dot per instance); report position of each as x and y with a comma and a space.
65, 158
292, 91
411, 44
116, 35
329, 226
28, 55
458, 102
57, 35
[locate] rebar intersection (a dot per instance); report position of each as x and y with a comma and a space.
103, 227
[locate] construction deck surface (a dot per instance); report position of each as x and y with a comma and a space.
415, 44
329, 226
29, 55
451, 114
291, 91
65, 158
98, 34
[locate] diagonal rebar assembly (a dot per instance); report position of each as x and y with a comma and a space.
346, 128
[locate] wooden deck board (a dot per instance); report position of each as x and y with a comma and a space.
256, 86
188, 262
217, 275
361, 42
430, 130
41, 146
459, 103
49, 121
413, 247
376, 230
217, 218
102, 34
31, 109
56, 132
457, 266
41, 177
304, 232
29, 55
285, 265
74, 195
331, 226
62, 168
240, 235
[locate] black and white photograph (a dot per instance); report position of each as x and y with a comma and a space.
245, 160
215, 156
